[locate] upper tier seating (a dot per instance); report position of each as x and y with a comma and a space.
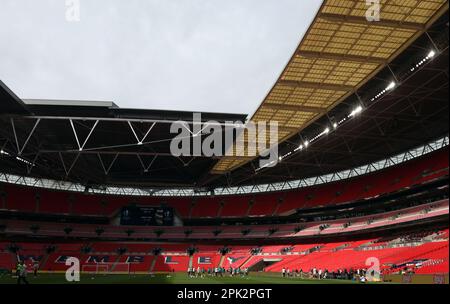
264, 205
206, 207
392, 179
235, 206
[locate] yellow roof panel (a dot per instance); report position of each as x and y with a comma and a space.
340, 52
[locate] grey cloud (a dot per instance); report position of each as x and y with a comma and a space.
198, 55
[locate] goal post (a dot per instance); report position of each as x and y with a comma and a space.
111, 268
100, 268
121, 268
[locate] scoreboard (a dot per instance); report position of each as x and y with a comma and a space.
147, 216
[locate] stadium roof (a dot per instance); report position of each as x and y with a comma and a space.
340, 52
98, 144
391, 119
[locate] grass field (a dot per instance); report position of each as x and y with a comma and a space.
176, 278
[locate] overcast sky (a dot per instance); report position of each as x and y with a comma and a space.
197, 55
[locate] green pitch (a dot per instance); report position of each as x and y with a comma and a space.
173, 278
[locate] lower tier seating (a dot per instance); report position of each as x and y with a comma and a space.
423, 253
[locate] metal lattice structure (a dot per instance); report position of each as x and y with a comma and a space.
222, 191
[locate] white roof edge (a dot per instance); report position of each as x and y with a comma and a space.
82, 103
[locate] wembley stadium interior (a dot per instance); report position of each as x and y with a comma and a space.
363, 167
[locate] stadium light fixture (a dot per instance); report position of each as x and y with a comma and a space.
284, 156
24, 161
430, 55
299, 148
335, 125
306, 144
356, 111
391, 86
326, 131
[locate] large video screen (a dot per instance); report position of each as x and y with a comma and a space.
146, 216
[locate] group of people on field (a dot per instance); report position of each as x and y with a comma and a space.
216, 271
22, 270
314, 273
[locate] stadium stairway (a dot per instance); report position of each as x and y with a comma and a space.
246, 262
249, 209
277, 207
341, 247
219, 211
222, 259
117, 260
44, 261
191, 209
191, 261
152, 264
